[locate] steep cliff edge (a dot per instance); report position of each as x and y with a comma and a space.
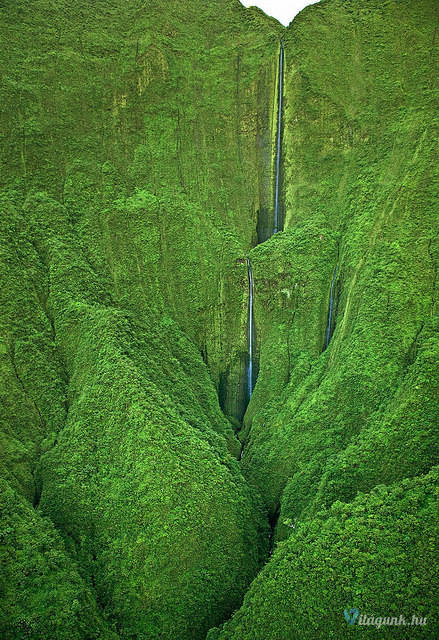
338, 440
361, 189
137, 175
134, 151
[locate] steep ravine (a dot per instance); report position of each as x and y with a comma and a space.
341, 434
138, 174
252, 367
128, 144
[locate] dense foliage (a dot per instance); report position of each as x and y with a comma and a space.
136, 176
377, 554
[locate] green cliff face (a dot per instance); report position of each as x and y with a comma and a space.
361, 185
376, 553
134, 156
136, 175
361, 193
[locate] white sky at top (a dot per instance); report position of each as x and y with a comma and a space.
282, 10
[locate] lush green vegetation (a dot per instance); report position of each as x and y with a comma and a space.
377, 553
325, 427
136, 172
133, 142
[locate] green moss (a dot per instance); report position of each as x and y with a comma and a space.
137, 171
377, 554
42, 592
360, 184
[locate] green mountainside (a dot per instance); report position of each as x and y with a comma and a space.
136, 176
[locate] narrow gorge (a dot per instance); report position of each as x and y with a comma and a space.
251, 371
219, 333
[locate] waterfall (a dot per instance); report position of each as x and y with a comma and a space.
279, 137
250, 327
250, 330
331, 310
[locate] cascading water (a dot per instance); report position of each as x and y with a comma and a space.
331, 310
279, 138
250, 330
250, 368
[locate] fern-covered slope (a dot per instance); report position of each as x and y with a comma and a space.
136, 172
134, 140
339, 439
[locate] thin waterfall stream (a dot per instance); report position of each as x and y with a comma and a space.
250, 330
277, 226
277, 221
279, 137
328, 334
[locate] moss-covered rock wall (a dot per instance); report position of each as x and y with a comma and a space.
136, 176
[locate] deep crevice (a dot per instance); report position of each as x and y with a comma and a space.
234, 403
273, 520
332, 310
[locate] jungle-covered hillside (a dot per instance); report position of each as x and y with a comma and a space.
145, 493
